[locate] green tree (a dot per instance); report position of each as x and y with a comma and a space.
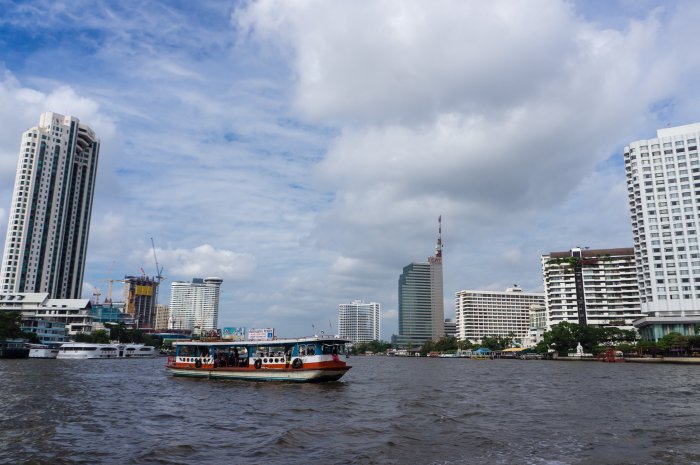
10, 325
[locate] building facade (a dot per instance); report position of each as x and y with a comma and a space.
75, 315
663, 186
591, 287
49, 222
359, 321
421, 304
481, 314
140, 299
162, 317
194, 305
538, 324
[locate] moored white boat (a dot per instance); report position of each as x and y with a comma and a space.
85, 350
43, 350
311, 359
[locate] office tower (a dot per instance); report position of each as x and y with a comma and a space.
421, 305
483, 314
140, 295
195, 305
49, 222
591, 287
359, 321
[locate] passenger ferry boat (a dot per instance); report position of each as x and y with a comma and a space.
85, 350
309, 359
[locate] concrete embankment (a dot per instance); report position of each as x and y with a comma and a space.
677, 360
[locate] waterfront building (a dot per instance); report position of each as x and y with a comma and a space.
108, 314
162, 317
74, 314
140, 297
663, 185
48, 332
358, 321
538, 324
194, 305
483, 314
421, 305
596, 287
49, 221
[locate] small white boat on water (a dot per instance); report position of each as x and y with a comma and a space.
43, 350
84, 350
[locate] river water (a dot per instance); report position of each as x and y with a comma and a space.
384, 411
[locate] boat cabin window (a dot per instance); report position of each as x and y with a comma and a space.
192, 351
307, 349
333, 349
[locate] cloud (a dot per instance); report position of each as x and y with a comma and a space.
207, 261
313, 144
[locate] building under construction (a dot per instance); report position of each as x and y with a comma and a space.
141, 297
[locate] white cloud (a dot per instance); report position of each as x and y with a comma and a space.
207, 261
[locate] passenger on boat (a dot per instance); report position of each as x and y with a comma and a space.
236, 357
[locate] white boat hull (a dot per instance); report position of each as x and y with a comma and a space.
291, 375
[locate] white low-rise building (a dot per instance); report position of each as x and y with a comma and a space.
75, 314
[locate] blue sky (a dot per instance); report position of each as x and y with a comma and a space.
303, 150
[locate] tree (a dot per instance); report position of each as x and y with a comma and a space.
11, 325
496, 342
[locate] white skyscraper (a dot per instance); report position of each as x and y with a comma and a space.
359, 321
663, 185
49, 222
195, 305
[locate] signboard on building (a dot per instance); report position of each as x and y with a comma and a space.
266, 334
233, 334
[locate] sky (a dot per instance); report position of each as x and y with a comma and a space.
303, 150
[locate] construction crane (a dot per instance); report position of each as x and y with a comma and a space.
159, 270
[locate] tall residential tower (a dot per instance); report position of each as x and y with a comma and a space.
359, 321
49, 222
195, 305
421, 304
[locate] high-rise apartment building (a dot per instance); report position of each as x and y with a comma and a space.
195, 305
481, 314
421, 305
663, 186
591, 287
359, 321
49, 222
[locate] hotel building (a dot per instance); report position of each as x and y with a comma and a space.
359, 321
194, 305
663, 186
482, 314
591, 287
49, 221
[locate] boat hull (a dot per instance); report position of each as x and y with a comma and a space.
314, 375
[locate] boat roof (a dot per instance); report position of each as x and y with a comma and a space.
273, 342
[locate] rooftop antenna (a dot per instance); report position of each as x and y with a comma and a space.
438, 246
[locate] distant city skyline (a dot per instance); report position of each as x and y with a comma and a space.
299, 150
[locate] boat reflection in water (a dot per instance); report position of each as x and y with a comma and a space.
310, 359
